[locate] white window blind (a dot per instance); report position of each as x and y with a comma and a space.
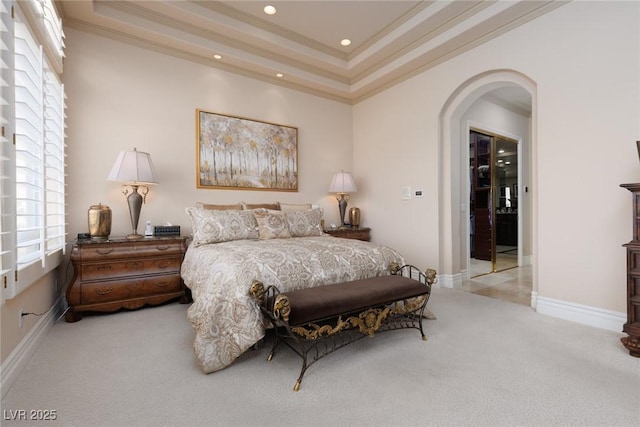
53, 28
37, 166
54, 150
29, 145
7, 154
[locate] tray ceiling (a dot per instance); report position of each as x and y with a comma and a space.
391, 40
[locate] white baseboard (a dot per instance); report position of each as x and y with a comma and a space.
450, 280
14, 364
587, 315
534, 300
584, 314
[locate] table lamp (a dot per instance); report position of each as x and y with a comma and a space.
135, 170
342, 184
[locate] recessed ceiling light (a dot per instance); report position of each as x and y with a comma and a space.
216, 56
345, 42
270, 10
279, 75
501, 151
507, 163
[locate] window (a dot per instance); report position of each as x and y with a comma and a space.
7, 186
33, 210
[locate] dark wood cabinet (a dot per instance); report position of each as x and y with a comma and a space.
481, 203
632, 326
507, 229
121, 273
357, 233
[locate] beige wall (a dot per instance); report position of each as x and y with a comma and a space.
37, 298
583, 58
121, 96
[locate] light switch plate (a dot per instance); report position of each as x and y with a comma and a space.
406, 193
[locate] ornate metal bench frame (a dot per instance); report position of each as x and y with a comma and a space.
324, 336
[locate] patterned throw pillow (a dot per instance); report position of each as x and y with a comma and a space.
215, 226
305, 223
271, 224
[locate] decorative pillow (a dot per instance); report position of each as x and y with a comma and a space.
289, 207
305, 223
271, 224
236, 207
215, 226
271, 206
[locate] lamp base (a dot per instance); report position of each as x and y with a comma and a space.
134, 200
342, 206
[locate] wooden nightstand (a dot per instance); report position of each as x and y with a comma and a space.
351, 233
120, 273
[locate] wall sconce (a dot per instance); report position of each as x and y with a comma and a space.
342, 184
135, 169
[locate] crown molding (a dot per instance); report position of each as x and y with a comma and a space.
210, 62
428, 34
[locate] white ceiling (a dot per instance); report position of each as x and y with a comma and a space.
391, 40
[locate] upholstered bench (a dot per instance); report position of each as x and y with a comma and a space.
323, 319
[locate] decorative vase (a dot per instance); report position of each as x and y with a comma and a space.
354, 217
99, 222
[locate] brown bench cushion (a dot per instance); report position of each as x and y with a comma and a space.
312, 304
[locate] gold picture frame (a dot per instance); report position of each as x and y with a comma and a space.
236, 153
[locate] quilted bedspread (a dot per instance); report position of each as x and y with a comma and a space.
227, 321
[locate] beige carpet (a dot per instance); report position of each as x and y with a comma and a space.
486, 363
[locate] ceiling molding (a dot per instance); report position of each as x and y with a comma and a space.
407, 37
273, 28
387, 30
162, 48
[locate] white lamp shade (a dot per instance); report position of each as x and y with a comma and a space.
342, 182
133, 167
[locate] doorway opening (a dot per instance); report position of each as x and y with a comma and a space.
455, 120
493, 202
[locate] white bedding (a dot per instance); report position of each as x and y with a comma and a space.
227, 321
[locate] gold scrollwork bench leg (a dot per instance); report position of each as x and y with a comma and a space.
307, 337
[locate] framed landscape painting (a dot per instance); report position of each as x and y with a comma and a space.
243, 154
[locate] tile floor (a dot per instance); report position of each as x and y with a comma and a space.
503, 262
512, 285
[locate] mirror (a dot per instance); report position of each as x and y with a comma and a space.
506, 208
493, 161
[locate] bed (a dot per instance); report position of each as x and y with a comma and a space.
231, 248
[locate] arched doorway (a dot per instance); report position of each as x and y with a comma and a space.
452, 141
